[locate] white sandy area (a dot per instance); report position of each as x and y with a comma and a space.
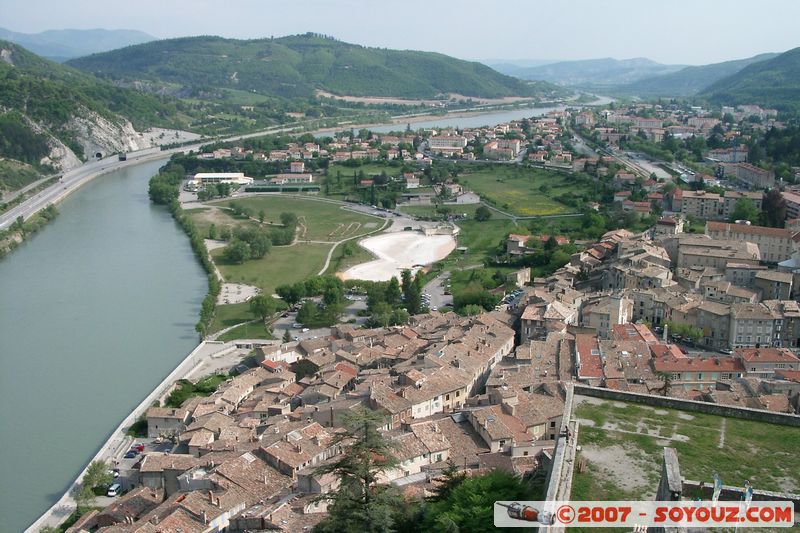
399, 251
236, 293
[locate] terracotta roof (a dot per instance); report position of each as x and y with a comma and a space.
789, 375
591, 365
767, 355
748, 229
696, 364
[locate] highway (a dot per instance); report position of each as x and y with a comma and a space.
77, 177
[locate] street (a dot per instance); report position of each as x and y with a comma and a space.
436, 288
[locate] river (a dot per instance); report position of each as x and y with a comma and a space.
96, 309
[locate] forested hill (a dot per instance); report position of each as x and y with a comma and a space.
690, 80
52, 115
297, 66
771, 83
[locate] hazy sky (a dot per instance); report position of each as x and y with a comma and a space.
668, 31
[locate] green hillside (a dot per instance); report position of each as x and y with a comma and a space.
296, 66
690, 80
39, 99
771, 83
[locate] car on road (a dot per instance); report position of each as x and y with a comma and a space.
297, 325
131, 454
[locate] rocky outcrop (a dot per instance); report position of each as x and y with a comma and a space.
96, 134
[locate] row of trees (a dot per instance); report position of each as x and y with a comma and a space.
164, 190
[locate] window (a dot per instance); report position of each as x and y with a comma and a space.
552, 423
525, 454
458, 393
447, 397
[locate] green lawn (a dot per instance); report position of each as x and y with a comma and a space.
203, 217
340, 262
324, 221
482, 238
283, 264
517, 189
765, 454
228, 315
247, 331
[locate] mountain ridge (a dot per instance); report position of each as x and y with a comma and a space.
61, 45
772, 83
601, 72
298, 65
690, 80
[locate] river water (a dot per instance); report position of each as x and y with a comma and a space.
95, 310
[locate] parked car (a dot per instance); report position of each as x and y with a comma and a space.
139, 447
131, 454
114, 490
297, 325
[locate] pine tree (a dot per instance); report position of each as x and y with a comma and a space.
360, 504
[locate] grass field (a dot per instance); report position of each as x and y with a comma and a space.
517, 189
324, 221
255, 330
482, 238
283, 264
623, 443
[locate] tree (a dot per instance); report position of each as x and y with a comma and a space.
469, 506
360, 504
411, 293
392, 294
97, 475
745, 209
666, 378
263, 306
237, 252
212, 232
482, 214
773, 209
449, 480
260, 245
287, 337
288, 219
307, 313
292, 294
261, 216
472, 310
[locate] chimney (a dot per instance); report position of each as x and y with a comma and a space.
211, 497
298, 448
205, 518
154, 520
265, 479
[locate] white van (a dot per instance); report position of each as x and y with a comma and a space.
114, 490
